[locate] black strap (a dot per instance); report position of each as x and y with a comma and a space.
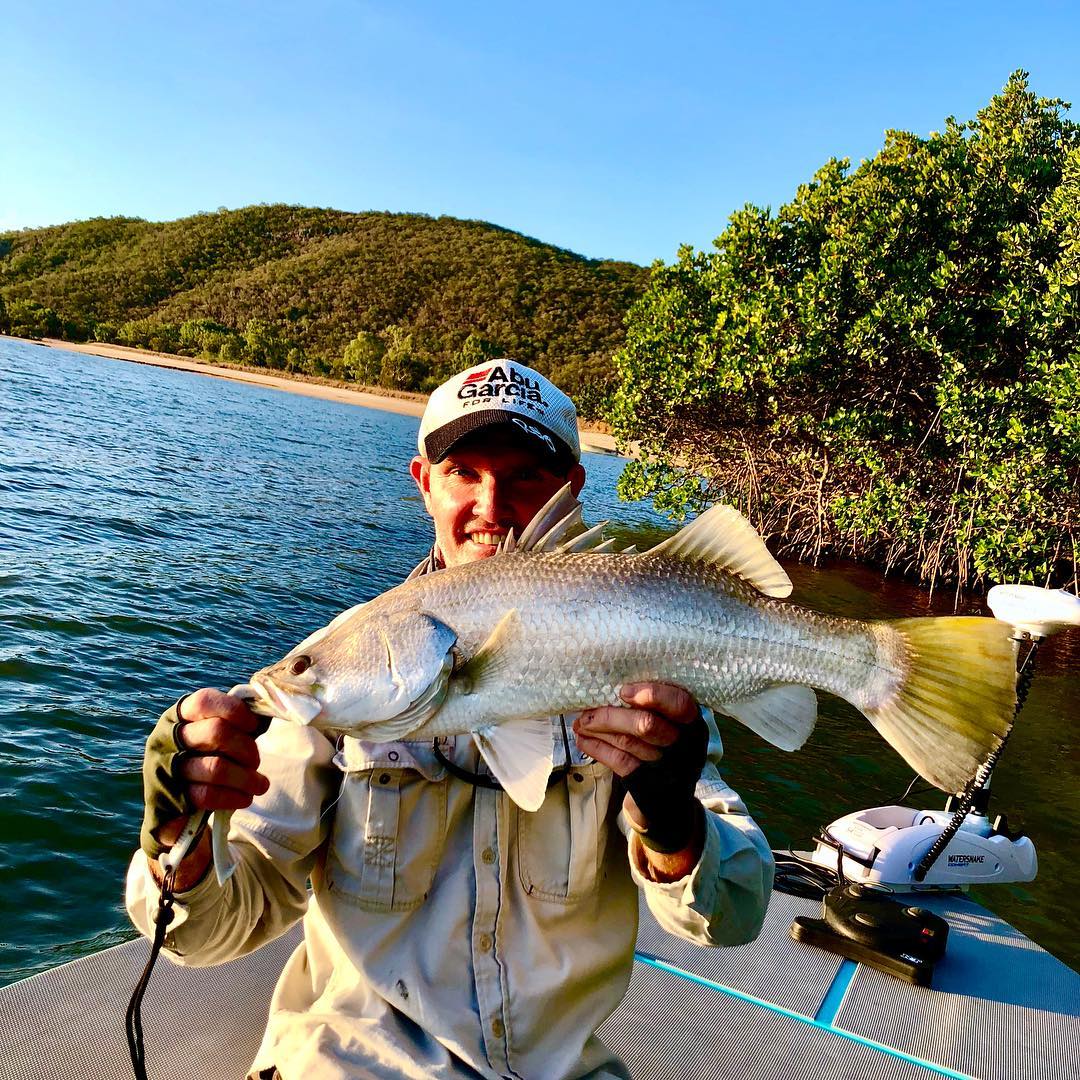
485, 780
162, 919
476, 779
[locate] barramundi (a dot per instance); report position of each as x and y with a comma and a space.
551, 624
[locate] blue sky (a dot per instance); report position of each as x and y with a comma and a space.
618, 130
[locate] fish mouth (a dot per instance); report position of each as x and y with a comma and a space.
286, 702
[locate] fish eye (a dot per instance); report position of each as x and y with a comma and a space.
300, 664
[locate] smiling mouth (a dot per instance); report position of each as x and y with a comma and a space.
487, 539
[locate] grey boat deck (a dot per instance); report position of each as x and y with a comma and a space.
1000, 1008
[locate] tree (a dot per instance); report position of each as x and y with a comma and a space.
29, 319
402, 368
262, 346
5, 322
887, 368
363, 357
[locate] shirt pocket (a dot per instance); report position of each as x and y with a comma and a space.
389, 825
561, 847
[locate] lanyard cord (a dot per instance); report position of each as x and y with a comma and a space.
485, 780
162, 919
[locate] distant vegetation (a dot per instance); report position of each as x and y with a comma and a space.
395, 300
888, 367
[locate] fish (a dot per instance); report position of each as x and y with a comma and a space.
556, 622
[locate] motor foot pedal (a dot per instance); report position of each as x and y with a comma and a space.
871, 928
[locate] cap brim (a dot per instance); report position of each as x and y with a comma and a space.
440, 442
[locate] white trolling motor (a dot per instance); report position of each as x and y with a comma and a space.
914, 850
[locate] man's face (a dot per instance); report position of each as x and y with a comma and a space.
486, 486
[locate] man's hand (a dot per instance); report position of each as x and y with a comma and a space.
658, 744
200, 756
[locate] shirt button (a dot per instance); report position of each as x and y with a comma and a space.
488, 855
485, 942
497, 1028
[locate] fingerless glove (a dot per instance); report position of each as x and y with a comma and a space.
164, 790
664, 790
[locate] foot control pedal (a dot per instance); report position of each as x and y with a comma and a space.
871, 928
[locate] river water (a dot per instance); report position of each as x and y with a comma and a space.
161, 531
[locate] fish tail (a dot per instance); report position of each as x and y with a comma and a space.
955, 699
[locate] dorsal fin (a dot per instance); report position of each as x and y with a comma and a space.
724, 538
587, 539
556, 511
557, 526
563, 528
508, 543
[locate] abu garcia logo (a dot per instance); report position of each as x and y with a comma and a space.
500, 382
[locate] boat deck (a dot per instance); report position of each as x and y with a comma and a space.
1000, 1008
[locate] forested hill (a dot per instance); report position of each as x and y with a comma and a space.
401, 300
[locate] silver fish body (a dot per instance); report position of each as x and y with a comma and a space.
586, 624
490, 647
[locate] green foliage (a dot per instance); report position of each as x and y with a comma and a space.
888, 367
315, 281
5, 322
363, 357
32, 320
403, 364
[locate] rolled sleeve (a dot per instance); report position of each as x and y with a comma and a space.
722, 901
275, 843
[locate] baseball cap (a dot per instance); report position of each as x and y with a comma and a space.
500, 392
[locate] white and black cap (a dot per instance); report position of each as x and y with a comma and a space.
500, 392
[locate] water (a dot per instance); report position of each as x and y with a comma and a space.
161, 531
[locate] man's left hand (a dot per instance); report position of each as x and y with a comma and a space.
658, 743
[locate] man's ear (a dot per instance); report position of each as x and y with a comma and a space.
420, 468
576, 476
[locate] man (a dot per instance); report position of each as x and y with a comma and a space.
449, 933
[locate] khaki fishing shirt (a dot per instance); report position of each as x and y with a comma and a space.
446, 932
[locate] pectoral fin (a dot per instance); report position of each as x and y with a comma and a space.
784, 715
493, 657
519, 756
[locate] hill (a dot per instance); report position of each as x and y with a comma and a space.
398, 300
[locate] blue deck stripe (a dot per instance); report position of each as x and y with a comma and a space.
663, 965
834, 997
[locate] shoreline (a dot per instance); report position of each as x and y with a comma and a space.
405, 404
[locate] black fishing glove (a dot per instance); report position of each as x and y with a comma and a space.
664, 790
164, 790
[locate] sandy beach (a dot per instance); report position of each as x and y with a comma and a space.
406, 404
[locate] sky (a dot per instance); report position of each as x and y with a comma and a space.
617, 130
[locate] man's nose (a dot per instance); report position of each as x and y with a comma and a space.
491, 500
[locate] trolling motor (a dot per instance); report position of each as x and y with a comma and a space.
913, 850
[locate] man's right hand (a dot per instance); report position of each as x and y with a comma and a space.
201, 755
